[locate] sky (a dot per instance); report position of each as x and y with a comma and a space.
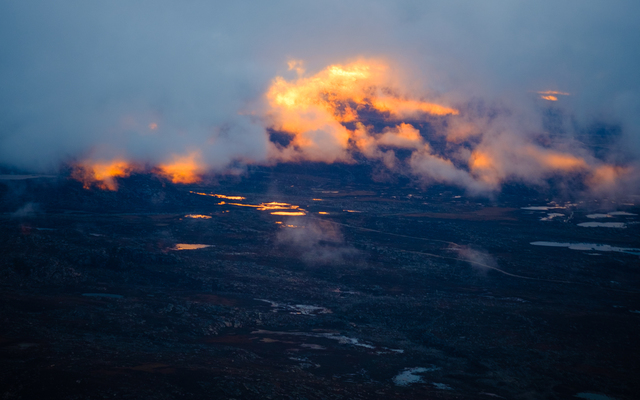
153, 81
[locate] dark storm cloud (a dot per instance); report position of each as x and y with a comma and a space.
86, 79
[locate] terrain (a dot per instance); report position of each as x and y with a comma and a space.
314, 283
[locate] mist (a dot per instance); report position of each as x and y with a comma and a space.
315, 242
147, 81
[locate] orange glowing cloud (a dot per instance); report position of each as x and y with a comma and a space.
480, 160
366, 108
554, 92
183, 169
552, 95
101, 174
407, 108
403, 136
316, 110
486, 168
606, 178
492, 165
296, 65
342, 90
554, 160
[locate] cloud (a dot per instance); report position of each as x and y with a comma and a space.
154, 83
315, 242
478, 259
27, 210
363, 107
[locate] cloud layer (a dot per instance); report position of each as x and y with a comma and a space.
162, 84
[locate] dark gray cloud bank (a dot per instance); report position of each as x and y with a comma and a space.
86, 79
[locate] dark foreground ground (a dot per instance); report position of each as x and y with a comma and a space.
380, 291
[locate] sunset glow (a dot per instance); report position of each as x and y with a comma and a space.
186, 246
548, 92
314, 109
274, 205
198, 216
277, 206
289, 213
555, 160
405, 108
183, 169
220, 196
552, 95
607, 177
365, 108
480, 160
101, 174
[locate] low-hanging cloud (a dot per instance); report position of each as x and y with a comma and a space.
315, 242
479, 259
27, 210
183, 89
